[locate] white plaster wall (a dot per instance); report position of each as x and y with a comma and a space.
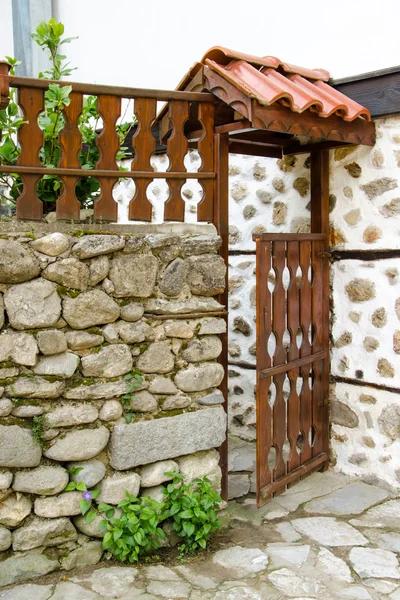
366, 450
380, 165
251, 185
350, 359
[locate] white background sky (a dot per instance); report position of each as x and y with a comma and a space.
149, 43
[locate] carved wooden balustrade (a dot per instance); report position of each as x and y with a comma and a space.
186, 111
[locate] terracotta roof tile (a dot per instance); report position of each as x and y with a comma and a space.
269, 80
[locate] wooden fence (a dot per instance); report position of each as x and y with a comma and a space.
182, 109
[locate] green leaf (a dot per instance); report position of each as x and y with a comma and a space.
90, 517
117, 534
186, 514
188, 528
71, 486
81, 486
84, 505
95, 493
203, 543
103, 507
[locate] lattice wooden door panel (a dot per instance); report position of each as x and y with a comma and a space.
292, 360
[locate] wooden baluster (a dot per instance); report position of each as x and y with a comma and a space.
205, 208
31, 139
68, 206
109, 107
177, 146
144, 144
305, 350
293, 322
317, 346
279, 326
264, 361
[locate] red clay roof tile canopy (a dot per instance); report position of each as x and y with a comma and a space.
269, 80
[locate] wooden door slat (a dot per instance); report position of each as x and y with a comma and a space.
279, 326
263, 409
293, 323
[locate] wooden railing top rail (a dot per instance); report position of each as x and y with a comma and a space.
111, 90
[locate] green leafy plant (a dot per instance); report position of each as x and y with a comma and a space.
133, 380
136, 532
193, 509
48, 37
39, 426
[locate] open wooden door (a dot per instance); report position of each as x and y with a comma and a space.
293, 350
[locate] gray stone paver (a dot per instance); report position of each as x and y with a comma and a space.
351, 500
303, 557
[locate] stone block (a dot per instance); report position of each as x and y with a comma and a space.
64, 505
35, 387
33, 305
197, 378
61, 365
113, 489
51, 342
21, 348
95, 245
89, 309
14, 509
92, 472
79, 444
44, 480
18, 447
110, 361
53, 244
16, 264
24, 567
43, 532
150, 441
134, 275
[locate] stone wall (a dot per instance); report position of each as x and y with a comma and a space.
78, 313
268, 195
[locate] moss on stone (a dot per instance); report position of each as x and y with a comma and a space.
64, 291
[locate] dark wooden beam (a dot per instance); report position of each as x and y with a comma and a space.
254, 149
264, 137
379, 91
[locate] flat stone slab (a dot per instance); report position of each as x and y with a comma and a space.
374, 562
384, 515
328, 531
318, 484
150, 441
249, 513
287, 555
390, 541
113, 581
333, 566
28, 592
352, 499
242, 561
292, 584
169, 589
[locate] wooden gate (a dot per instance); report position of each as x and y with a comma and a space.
292, 359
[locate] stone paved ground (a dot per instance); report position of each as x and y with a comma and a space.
329, 537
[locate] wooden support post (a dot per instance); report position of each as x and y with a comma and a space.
320, 224
221, 219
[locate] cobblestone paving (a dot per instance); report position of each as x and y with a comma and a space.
329, 537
